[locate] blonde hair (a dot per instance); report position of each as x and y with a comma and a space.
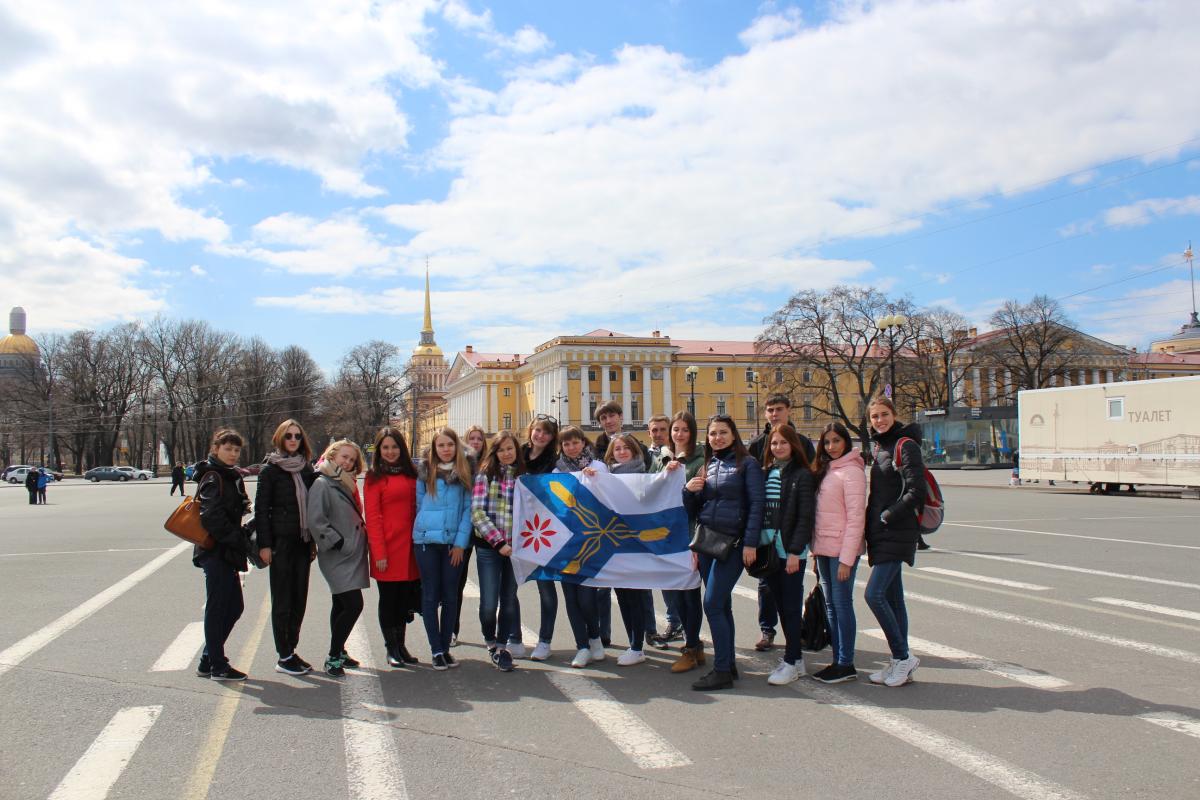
331, 451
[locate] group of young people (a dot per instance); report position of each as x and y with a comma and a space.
416, 524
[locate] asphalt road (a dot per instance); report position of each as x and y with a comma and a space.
1059, 636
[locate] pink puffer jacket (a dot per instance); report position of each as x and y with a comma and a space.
841, 510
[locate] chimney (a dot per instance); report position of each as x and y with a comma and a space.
656, 334
470, 349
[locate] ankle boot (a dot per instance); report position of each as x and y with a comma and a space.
688, 660
393, 649
402, 651
713, 681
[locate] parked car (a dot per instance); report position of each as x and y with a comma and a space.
138, 474
96, 474
253, 469
18, 475
10, 470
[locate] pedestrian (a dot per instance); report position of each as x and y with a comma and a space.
624, 457
726, 497
492, 517
177, 477
476, 440
44, 479
390, 501
896, 496
690, 458
335, 518
659, 428
788, 514
440, 535
778, 412
581, 601
838, 543
540, 453
31, 485
284, 540
223, 503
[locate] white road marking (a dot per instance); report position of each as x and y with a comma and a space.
15, 654
1173, 721
1082, 570
1054, 627
181, 652
1076, 536
1013, 672
372, 758
1165, 610
629, 733
1032, 587
102, 764
85, 552
985, 766
745, 591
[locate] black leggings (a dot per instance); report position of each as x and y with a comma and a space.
347, 607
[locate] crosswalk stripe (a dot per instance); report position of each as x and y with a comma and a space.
1054, 627
1138, 542
1173, 721
1125, 576
15, 654
109, 754
372, 758
182, 652
1013, 672
1164, 610
971, 576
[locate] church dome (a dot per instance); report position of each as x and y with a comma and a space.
1187, 340
17, 343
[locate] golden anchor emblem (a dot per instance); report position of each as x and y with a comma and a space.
613, 532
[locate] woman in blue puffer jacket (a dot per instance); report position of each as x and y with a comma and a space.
728, 497
440, 535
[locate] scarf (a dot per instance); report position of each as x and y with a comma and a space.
343, 478
567, 464
631, 467
293, 465
390, 469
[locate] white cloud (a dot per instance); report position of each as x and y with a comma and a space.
772, 26
1143, 212
526, 41
340, 245
1138, 316
198, 271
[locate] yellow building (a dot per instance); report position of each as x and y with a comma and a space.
1173, 357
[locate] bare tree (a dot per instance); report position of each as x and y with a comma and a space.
256, 380
370, 380
941, 357
300, 384
1030, 340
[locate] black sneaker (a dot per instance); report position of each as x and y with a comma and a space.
836, 673
290, 665
451, 661
503, 660
922, 544
333, 666
672, 634
713, 681
227, 673
347, 661
307, 666
204, 668
439, 662
734, 673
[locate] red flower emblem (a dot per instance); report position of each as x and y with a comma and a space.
537, 533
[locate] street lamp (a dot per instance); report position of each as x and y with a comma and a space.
889, 325
562, 409
754, 382
691, 373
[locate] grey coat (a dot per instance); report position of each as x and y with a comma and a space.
333, 518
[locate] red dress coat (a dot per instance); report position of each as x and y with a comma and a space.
391, 506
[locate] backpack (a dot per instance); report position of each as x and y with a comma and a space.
930, 517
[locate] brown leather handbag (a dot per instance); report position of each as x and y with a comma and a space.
185, 523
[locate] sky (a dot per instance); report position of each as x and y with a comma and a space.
287, 169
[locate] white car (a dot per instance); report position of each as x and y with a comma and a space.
136, 474
8, 473
18, 474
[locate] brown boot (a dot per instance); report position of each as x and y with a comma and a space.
687, 660
699, 654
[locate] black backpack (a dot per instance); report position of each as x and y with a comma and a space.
814, 633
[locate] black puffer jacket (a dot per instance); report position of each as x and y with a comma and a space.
543, 464
797, 512
896, 498
223, 502
732, 499
276, 511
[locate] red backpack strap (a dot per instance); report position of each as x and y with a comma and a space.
899, 447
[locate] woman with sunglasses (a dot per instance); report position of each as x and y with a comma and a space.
280, 517
541, 456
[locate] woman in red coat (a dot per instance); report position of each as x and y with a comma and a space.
390, 495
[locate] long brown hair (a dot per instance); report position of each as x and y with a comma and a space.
491, 462
631, 442
277, 438
404, 462
461, 468
799, 451
689, 420
821, 467
740, 452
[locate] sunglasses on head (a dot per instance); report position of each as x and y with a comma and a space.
297, 436
546, 418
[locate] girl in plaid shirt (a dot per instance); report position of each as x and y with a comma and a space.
492, 517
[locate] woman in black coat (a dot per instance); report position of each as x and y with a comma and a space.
896, 497
223, 503
283, 539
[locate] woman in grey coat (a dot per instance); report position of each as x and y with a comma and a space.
335, 519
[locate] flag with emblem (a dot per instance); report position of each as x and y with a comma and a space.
627, 531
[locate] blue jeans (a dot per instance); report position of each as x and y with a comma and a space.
497, 592
549, 597
885, 596
650, 623
582, 612
839, 608
787, 593
719, 579
632, 603
439, 586
672, 600
768, 609
223, 606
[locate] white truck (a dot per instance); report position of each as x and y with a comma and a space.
1112, 434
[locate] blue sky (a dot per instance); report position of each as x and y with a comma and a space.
285, 170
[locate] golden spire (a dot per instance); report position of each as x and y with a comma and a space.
428, 314
427, 347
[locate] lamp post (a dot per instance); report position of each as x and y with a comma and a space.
691, 373
889, 325
754, 382
562, 409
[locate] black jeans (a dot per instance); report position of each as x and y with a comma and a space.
33, 497
223, 606
787, 591
582, 612
289, 570
347, 607
548, 595
689, 604
768, 608
175, 484
632, 603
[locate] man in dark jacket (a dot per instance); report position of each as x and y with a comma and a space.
177, 477
612, 419
31, 485
778, 412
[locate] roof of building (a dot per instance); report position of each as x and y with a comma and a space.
604, 333
1158, 357
1188, 333
18, 344
475, 358
715, 346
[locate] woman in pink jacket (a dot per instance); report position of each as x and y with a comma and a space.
838, 542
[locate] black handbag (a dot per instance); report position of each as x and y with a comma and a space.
814, 631
252, 548
766, 561
708, 542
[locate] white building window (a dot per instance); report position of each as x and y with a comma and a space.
751, 411
633, 375
591, 374
1116, 408
508, 422
508, 391
749, 375
721, 379
808, 409
778, 376
720, 405
612, 375
635, 409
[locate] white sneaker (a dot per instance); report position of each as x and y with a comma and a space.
630, 657
882, 675
582, 658
785, 673
541, 652
516, 649
597, 649
902, 671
